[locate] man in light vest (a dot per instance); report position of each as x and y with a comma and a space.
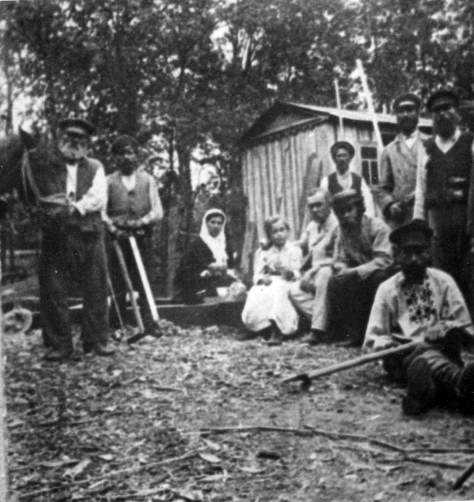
133, 207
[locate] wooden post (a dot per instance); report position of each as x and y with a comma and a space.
339, 107
370, 103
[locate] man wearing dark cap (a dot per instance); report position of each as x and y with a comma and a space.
342, 153
399, 163
425, 305
361, 260
133, 207
69, 190
445, 189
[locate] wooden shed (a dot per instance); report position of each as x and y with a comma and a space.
286, 154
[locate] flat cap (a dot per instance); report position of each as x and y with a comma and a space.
342, 144
416, 231
315, 197
81, 125
405, 100
441, 98
348, 196
123, 141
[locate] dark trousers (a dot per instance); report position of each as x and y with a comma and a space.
349, 300
73, 259
451, 246
444, 362
144, 243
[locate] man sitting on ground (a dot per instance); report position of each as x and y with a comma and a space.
361, 260
423, 304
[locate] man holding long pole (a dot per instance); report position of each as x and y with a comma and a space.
423, 304
133, 208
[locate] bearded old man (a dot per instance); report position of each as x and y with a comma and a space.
69, 189
423, 304
400, 161
445, 189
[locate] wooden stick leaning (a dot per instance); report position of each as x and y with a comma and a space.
128, 283
146, 287
144, 278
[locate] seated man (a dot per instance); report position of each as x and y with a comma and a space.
322, 222
423, 304
317, 239
361, 260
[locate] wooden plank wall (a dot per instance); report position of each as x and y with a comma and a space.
279, 174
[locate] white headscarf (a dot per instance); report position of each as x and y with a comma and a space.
216, 244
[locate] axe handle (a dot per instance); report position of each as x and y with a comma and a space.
144, 278
128, 283
351, 363
114, 300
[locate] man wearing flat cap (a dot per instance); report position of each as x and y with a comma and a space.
133, 208
342, 153
424, 305
445, 189
69, 190
400, 161
360, 260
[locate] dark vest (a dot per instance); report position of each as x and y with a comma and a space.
49, 174
334, 186
133, 204
448, 174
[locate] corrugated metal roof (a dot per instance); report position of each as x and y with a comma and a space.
355, 115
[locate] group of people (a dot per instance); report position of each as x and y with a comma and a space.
353, 275
370, 280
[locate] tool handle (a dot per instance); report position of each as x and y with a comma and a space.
128, 283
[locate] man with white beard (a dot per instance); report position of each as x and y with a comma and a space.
69, 190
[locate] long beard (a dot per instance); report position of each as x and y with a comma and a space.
444, 127
73, 153
414, 274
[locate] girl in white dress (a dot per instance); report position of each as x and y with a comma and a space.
268, 306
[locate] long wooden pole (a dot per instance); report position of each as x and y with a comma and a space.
144, 278
370, 103
351, 363
339, 107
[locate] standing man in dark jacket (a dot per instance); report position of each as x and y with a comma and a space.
69, 189
400, 161
445, 189
133, 207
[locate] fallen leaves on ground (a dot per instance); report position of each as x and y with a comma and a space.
138, 426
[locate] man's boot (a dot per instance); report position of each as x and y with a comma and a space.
314, 337
421, 389
466, 390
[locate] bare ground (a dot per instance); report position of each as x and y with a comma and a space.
147, 425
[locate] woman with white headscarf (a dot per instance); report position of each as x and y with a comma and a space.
207, 262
